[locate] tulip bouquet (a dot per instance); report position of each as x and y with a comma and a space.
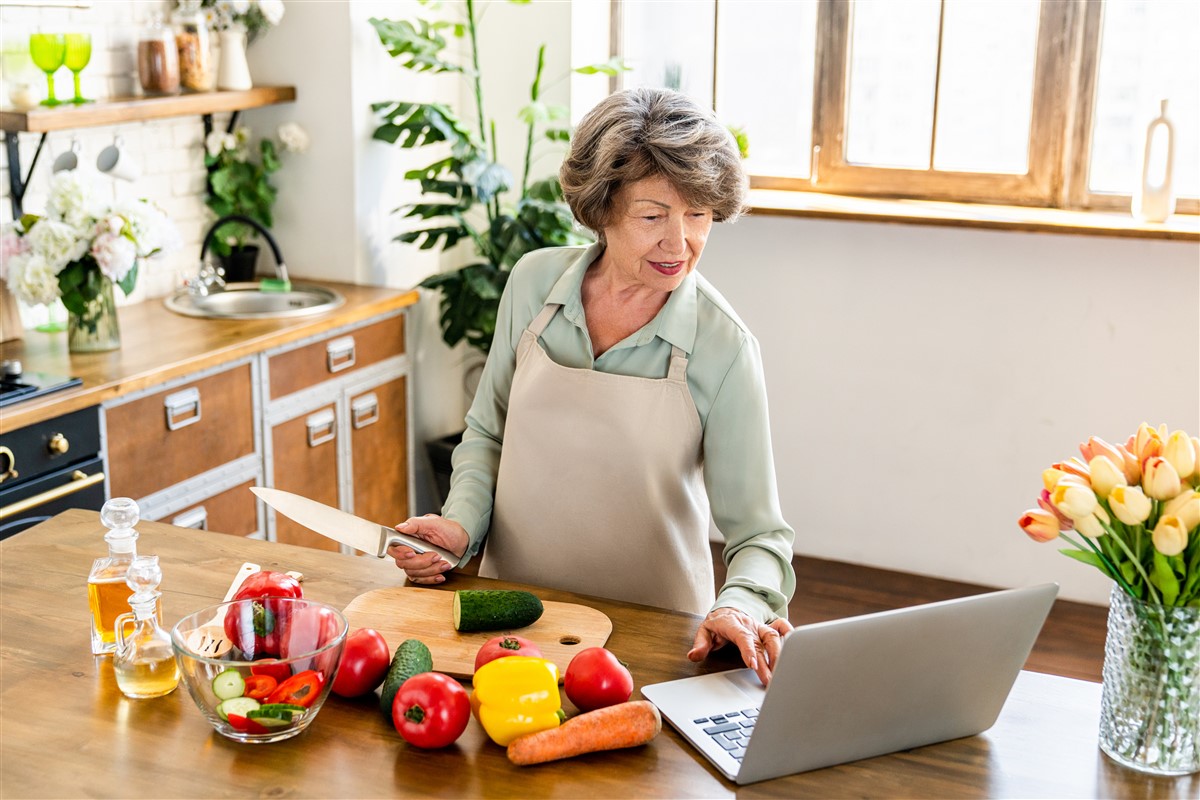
1136, 510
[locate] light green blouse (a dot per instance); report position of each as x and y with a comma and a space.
725, 377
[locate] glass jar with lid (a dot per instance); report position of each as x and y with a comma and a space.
197, 72
158, 58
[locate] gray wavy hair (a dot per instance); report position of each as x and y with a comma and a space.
641, 133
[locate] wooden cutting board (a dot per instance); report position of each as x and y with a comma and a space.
404, 612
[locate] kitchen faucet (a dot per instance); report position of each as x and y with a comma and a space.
209, 276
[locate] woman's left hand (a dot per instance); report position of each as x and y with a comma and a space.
759, 643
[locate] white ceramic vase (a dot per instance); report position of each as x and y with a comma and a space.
234, 72
1154, 197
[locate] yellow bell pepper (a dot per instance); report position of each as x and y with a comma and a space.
516, 695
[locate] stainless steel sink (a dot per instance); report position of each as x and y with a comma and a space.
248, 301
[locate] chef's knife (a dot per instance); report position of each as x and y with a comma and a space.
370, 537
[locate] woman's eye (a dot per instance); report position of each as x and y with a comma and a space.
651, 218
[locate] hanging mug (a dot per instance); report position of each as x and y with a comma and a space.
69, 160
117, 162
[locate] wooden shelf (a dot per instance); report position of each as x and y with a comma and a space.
133, 109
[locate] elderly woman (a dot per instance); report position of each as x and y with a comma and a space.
623, 400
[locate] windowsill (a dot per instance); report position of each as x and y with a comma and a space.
767, 202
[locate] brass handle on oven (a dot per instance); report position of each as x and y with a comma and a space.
9, 470
79, 482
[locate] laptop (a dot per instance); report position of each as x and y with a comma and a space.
863, 686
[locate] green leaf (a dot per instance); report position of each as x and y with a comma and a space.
613, 67
533, 113
558, 134
1086, 556
418, 124
130, 280
743, 140
1162, 575
429, 238
418, 47
488, 177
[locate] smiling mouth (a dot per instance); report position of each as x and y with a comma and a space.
667, 267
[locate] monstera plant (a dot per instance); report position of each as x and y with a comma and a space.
467, 195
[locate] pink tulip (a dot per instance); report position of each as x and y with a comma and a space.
1179, 451
1159, 478
1073, 499
1105, 475
1147, 442
1095, 446
1041, 526
1196, 447
1185, 506
1130, 505
1169, 536
1073, 466
1064, 522
1130, 466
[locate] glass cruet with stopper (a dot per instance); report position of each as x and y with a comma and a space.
108, 596
144, 661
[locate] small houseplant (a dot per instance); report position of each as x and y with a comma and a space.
237, 184
1132, 510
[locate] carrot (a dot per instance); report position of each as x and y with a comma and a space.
611, 728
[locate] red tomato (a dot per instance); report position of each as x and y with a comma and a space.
595, 679
301, 689
259, 687
276, 669
431, 710
365, 662
502, 646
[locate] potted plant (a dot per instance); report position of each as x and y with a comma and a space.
469, 196
238, 185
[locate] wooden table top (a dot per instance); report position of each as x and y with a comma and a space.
67, 731
158, 345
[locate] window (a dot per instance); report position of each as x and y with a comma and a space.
1025, 102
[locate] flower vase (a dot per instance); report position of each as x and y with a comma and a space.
96, 329
233, 72
1150, 707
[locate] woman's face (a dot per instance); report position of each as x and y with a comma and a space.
655, 239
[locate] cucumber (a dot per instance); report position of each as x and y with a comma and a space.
283, 710
412, 658
237, 705
228, 684
269, 720
494, 609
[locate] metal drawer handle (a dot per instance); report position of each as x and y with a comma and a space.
195, 518
322, 427
183, 408
79, 482
339, 354
8, 467
364, 411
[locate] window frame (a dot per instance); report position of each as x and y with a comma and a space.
1063, 106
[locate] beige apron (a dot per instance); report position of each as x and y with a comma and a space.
600, 488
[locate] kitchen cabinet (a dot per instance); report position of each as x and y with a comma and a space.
337, 421
232, 511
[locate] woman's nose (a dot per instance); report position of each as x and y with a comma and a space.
673, 238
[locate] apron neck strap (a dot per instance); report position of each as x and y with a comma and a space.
678, 369
543, 318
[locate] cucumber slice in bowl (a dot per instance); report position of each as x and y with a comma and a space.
228, 684
272, 718
239, 706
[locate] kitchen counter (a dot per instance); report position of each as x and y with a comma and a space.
66, 730
158, 345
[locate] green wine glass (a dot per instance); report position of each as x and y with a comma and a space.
79, 53
48, 51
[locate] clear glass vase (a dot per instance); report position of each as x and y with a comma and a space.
96, 329
1150, 709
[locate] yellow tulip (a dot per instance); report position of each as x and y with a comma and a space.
1130, 465
1073, 499
1073, 466
1169, 536
1179, 451
1130, 505
1160, 480
1147, 442
1196, 447
1041, 526
1090, 526
1105, 475
1185, 506
1051, 476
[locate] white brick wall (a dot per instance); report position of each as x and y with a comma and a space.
170, 152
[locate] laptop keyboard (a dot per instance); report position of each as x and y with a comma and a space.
730, 730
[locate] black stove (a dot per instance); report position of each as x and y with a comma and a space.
17, 385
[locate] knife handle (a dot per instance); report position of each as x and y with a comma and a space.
418, 544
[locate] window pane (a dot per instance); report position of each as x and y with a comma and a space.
893, 63
1147, 53
669, 44
765, 52
989, 48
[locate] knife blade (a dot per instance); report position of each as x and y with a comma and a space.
369, 537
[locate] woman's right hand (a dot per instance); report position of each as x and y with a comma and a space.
428, 567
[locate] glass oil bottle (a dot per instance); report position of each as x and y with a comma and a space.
144, 661
108, 596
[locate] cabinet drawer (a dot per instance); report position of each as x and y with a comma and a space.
335, 356
173, 435
379, 452
305, 455
231, 511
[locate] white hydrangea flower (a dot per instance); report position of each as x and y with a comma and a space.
11, 244
272, 10
32, 279
73, 198
238, 7
115, 254
293, 137
152, 232
57, 242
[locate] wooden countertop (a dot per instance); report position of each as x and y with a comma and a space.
158, 345
68, 732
